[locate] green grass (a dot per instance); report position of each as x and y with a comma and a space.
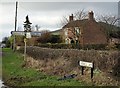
0, 63
15, 75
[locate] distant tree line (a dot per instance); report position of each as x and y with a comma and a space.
6, 41
47, 37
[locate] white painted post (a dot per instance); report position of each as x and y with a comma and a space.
27, 35
25, 40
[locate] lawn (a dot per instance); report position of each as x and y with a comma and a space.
0, 63
16, 75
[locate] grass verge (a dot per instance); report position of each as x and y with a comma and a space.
0, 63
15, 75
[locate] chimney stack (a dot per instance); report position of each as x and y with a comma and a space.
71, 18
91, 15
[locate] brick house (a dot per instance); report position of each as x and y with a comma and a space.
86, 31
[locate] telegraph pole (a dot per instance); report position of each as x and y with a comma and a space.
14, 44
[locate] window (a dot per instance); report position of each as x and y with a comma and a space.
77, 30
66, 32
67, 40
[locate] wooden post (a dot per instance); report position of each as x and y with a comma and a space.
25, 40
92, 69
82, 70
91, 73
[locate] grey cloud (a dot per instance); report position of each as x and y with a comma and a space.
7, 26
53, 6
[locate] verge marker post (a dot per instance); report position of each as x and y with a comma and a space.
25, 40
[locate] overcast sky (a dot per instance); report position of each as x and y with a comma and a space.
48, 14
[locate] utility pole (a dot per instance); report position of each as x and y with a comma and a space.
14, 43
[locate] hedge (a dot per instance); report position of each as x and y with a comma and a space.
104, 60
74, 46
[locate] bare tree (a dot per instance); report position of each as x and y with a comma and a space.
37, 27
108, 19
111, 22
64, 21
78, 15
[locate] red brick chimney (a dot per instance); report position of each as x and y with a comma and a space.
91, 15
71, 18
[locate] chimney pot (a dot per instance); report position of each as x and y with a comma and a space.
91, 15
71, 18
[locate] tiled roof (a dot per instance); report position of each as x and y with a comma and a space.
76, 23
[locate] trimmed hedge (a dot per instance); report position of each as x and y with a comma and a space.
74, 46
96, 47
104, 60
118, 46
57, 46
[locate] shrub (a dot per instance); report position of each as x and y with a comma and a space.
44, 38
73, 46
55, 39
95, 46
118, 46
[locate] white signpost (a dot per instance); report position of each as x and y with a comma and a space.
28, 33
87, 64
18, 33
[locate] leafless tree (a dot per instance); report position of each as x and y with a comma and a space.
64, 21
78, 15
111, 22
37, 27
108, 19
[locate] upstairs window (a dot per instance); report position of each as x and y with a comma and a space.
77, 30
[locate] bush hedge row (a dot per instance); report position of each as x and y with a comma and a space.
118, 46
74, 46
103, 59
